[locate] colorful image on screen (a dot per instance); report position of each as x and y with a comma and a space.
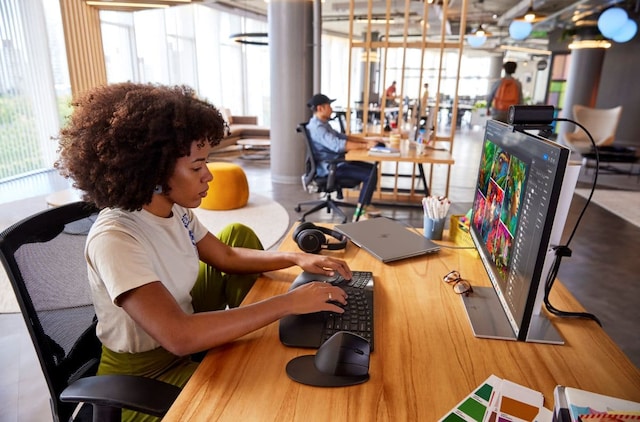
497, 203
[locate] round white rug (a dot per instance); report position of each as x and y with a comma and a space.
265, 216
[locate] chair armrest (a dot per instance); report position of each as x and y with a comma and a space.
244, 120
136, 393
331, 177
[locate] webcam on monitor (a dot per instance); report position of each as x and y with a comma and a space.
532, 117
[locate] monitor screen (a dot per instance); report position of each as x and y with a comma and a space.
516, 195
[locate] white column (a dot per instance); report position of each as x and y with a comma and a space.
291, 64
583, 80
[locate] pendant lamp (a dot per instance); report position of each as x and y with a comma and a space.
611, 21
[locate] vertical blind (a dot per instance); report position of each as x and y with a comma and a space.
28, 105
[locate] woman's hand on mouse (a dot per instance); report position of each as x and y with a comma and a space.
323, 265
317, 296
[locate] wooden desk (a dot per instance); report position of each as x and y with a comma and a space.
426, 358
396, 194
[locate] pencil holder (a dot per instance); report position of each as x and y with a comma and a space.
433, 228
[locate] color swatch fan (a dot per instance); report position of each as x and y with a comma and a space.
500, 400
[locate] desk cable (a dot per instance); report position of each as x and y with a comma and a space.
564, 250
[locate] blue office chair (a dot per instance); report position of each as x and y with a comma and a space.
330, 184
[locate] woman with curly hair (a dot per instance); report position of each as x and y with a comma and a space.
163, 287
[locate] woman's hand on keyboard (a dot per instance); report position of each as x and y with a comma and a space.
323, 265
317, 296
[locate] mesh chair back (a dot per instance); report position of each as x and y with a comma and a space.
44, 259
310, 165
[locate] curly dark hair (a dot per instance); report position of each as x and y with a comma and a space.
123, 140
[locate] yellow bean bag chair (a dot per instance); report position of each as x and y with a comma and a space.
229, 188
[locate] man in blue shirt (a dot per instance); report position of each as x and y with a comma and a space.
329, 144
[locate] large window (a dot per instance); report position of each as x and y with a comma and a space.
34, 85
196, 52
335, 59
118, 40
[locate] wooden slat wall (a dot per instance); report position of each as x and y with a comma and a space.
444, 138
83, 41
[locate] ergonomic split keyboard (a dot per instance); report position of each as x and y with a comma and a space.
311, 330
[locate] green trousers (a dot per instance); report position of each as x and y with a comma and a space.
214, 290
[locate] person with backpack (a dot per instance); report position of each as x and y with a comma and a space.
504, 93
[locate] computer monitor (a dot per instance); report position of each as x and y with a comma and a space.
520, 188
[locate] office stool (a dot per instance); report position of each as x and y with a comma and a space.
229, 188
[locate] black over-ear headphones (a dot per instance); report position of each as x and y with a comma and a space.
311, 238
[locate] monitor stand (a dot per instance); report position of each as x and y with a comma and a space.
488, 320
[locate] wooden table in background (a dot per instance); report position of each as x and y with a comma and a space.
426, 358
255, 148
430, 156
63, 197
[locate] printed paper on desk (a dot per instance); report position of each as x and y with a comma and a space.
384, 151
609, 417
582, 402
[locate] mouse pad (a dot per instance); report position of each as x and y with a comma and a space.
303, 370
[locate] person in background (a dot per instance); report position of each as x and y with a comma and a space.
424, 107
331, 145
390, 95
424, 101
165, 288
504, 93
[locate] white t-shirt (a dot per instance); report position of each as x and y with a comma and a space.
126, 250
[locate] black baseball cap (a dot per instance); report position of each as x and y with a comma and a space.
319, 99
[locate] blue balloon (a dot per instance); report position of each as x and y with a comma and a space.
611, 21
476, 40
628, 31
519, 30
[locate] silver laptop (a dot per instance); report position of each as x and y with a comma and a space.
387, 239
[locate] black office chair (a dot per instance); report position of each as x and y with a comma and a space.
312, 183
44, 259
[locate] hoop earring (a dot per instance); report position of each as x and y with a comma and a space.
157, 190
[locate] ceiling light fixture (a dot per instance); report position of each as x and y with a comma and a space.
478, 37
525, 50
476, 41
611, 21
627, 32
582, 44
520, 28
530, 16
615, 23
481, 32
